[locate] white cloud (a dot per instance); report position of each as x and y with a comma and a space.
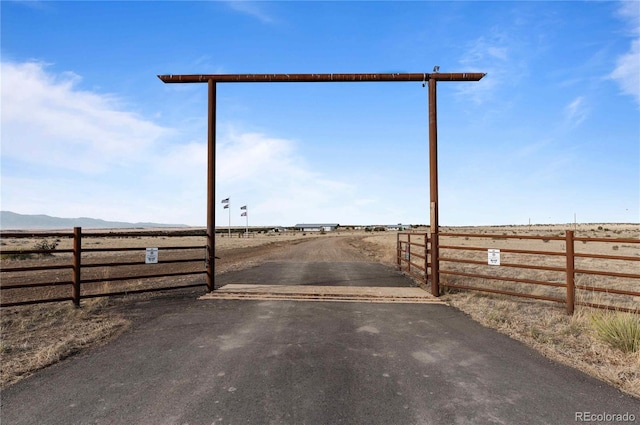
251, 8
576, 111
71, 152
280, 186
501, 56
47, 120
627, 70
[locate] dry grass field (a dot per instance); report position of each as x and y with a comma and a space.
35, 336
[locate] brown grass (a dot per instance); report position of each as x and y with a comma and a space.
33, 337
571, 340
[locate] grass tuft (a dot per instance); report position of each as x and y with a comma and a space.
618, 329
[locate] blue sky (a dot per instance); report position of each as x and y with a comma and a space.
553, 130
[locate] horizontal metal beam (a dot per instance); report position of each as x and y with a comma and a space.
316, 78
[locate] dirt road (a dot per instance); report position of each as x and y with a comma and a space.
314, 249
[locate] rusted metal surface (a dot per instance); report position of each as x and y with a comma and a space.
621, 240
434, 225
137, 263
502, 278
503, 264
512, 251
36, 285
211, 185
146, 233
35, 268
500, 291
25, 279
77, 265
569, 270
213, 79
35, 251
608, 290
435, 264
607, 273
49, 300
33, 235
125, 249
318, 78
608, 257
413, 254
404, 246
495, 236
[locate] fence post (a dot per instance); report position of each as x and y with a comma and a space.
77, 264
426, 258
435, 270
409, 252
398, 251
571, 290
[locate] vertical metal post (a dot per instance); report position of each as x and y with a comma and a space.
571, 290
433, 186
426, 258
211, 187
408, 257
77, 265
398, 251
435, 266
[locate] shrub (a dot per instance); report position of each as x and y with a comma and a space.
45, 244
620, 330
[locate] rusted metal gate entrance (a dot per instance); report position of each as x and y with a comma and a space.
429, 79
414, 255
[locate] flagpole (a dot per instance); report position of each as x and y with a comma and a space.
245, 214
228, 206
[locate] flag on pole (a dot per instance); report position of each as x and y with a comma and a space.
244, 214
225, 201
243, 208
226, 206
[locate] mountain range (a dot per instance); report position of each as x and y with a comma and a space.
14, 221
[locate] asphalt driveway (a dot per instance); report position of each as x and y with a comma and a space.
189, 361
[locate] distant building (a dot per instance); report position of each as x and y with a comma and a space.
400, 227
327, 227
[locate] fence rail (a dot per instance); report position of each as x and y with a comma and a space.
575, 281
72, 274
407, 250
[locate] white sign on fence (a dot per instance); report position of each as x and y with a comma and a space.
152, 256
494, 257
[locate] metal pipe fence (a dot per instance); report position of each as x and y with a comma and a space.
559, 269
415, 246
81, 271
